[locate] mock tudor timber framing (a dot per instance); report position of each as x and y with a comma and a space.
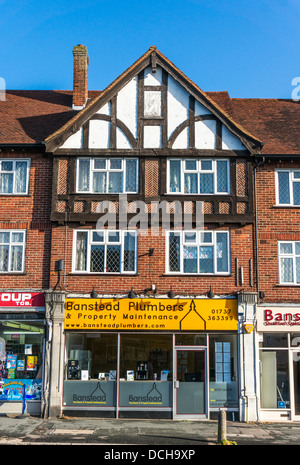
152, 58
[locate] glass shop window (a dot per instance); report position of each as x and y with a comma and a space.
274, 379
146, 357
21, 358
91, 356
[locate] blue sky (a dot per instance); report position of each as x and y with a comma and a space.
250, 48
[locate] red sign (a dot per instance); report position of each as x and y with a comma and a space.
22, 299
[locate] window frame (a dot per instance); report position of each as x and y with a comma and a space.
106, 243
107, 170
198, 244
291, 190
11, 244
291, 255
14, 161
198, 171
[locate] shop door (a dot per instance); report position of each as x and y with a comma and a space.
190, 383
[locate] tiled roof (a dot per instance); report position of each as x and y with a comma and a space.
29, 117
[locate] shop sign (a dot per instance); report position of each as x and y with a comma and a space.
22, 299
278, 319
152, 314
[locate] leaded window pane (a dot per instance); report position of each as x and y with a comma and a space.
6, 183
206, 262
296, 193
81, 250
286, 268
190, 183
222, 176
4, 237
190, 260
174, 252
97, 258
16, 259
20, 177
206, 183
283, 187
129, 252
99, 182
84, 175
297, 248
175, 176
115, 164
298, 270
286, 248
115, 184
113, 259
4, 251
222, 253
131, 176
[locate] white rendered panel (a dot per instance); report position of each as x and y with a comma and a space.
105, 110
201, 109
99, 134
205, 134
127, 105
74, 141
230, 141
122, 141
152, 137
152, 103
153, 79
178, 105
182, 141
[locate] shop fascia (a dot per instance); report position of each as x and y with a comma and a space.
278, 318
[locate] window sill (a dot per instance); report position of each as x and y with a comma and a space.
78, 273
12, 273
286, 206
197, 275
287, 285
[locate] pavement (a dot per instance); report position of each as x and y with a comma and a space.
141, 435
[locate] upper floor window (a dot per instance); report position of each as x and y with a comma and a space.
288, 187
105, 251
12, 251
198, 252
107, 175
198, 176
14, 176
289, 262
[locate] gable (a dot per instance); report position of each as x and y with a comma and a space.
153, 108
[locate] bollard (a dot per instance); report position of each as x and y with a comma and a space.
222, 426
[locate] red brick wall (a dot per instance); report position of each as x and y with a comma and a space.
32, 213
274, 224
152, 269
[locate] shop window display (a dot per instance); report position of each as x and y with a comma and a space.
21, 359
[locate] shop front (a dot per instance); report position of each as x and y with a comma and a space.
278, 330
147, 358
22, 321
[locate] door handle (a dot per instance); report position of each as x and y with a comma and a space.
176, 384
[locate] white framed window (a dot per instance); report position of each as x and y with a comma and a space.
287, 187
105, 251
12, 251
14, 176
198, 252
194, 176
107, 175
289, 262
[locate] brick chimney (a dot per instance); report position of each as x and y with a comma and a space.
80, 77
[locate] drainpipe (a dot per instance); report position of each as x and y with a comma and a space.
257, 276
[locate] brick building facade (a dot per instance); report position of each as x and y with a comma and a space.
187, 299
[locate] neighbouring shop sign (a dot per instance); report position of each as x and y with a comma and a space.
151, 314
22, 299
278, 319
